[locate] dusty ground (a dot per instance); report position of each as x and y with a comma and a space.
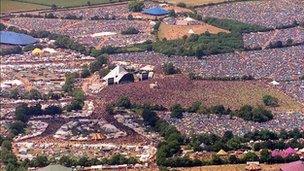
171, 32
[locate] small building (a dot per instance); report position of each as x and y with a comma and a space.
156, 11
118, 76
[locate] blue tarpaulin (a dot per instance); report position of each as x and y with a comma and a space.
156, 11
12, 38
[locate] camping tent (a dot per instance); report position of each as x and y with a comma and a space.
37, 52
222, 153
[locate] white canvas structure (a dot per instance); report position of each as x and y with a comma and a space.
117, 73
274, 82
191, 31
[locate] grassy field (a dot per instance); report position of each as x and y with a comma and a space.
67, 3
195, 2
171, 32
14, 6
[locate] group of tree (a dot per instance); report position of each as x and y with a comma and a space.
116, 159
206, 43
170, 69
8, 158
269, 100
33, 94
136, 5
130, 30
246, 112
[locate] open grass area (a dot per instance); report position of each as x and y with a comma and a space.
171, 32
15, 6
195, 2
68, 3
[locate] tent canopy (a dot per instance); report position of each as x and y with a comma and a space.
157, 11
13, 38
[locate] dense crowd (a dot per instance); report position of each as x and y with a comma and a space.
200, 123
269, 13
86, 31
294, 88
263, 39
278, 64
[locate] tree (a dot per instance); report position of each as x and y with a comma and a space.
34, 94
233, 159
79, 95
22, 112
250, 156
84, 161
234, 143
268, 100
149, 117
265, 156
136, 6
85, 72
130, 30
6, 145
124, 102
39, 161
17, 127
53, 110
177, 111
54, 7
170, 69
181, 4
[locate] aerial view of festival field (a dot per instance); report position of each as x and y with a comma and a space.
152, 85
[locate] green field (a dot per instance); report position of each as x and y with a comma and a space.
67, 3
14, 6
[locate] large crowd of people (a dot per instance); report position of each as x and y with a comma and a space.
293, 35
86, 31
269, 13
293, 88
200, 123
277, 64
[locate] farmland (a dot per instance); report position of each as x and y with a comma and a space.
14, 6
66, 3
171, 32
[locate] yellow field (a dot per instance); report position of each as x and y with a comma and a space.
14, 6
195, 2
171, 32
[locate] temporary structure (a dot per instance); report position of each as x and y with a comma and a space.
118, 75
37, 52
222, 153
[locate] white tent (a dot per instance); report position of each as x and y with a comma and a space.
274, 82
117, 73
189, 19
191, 31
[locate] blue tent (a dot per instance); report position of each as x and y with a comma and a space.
12, 38
157, 11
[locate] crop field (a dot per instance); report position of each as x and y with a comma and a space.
177, 89
171, 32
67, 3
15, 6
195, 2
